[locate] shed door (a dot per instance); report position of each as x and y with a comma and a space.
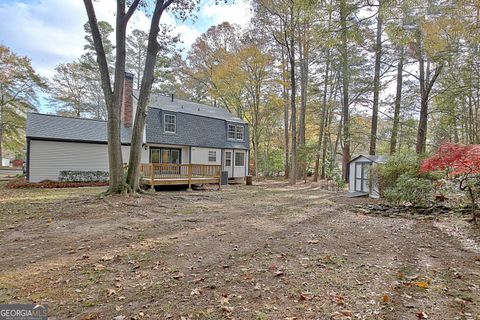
361, 176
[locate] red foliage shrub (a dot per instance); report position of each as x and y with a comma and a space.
457, 159
22, 183
461, 162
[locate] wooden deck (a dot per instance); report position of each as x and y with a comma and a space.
160, 174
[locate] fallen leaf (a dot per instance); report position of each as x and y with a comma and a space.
106, 258
178, 276
306, 296
227, 309
422, 315
421, 284
196, 292
386, 298
111, 292
224, 301
346, 313
98, 267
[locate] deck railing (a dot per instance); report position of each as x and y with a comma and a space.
155, 172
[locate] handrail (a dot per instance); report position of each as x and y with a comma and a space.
153, 171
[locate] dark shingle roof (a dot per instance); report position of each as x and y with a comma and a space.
165, 103
376, 159
67, 128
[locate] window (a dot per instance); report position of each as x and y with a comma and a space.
239, 133
231, 131
239, 159
212, 156
165, 155
235, 132
169, 123
228, 159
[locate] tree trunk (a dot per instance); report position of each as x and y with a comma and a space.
285, 114
323, 120
376, 81
133, 175
291, 56
113, 98
345, 85
302, 173
426, 85
423, 119
398, 102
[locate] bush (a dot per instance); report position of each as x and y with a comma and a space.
410, 189
22, 183
396, 166
83, 176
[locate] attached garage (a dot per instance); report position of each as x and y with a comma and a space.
56, 143
51, 157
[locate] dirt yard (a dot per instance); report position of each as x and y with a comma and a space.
270, 251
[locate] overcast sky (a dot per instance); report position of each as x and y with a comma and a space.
51, 31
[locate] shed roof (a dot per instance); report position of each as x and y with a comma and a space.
376, 159
54, 127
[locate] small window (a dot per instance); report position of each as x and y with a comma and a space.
212, 156
239, 159
231, 131
170, 123
239, 135
228, 159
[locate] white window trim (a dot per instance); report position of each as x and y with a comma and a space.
228, 158
164, 123
235, 132
235, 159
215, 155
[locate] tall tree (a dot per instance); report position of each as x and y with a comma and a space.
113, 91
345, 87
284, 18
376, 79
181, 8
19, 85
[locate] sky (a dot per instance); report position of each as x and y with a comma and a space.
50, 32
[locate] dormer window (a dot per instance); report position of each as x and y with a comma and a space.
169, 123
235, 132
239, 135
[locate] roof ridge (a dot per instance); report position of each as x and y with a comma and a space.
67, 117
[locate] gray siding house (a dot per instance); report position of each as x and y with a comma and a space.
177, 132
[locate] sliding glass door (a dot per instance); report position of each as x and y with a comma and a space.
165, 155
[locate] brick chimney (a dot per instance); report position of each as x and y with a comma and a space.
127, 101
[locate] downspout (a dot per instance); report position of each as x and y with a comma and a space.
27, 169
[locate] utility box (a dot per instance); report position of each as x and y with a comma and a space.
224, 178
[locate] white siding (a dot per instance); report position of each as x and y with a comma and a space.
48, 158
200, 155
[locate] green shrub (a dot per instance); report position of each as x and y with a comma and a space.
410, 189
83, 176
396, 166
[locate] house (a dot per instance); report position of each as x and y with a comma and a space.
361, 181
181, 139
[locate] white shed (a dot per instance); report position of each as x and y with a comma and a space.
360, 180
